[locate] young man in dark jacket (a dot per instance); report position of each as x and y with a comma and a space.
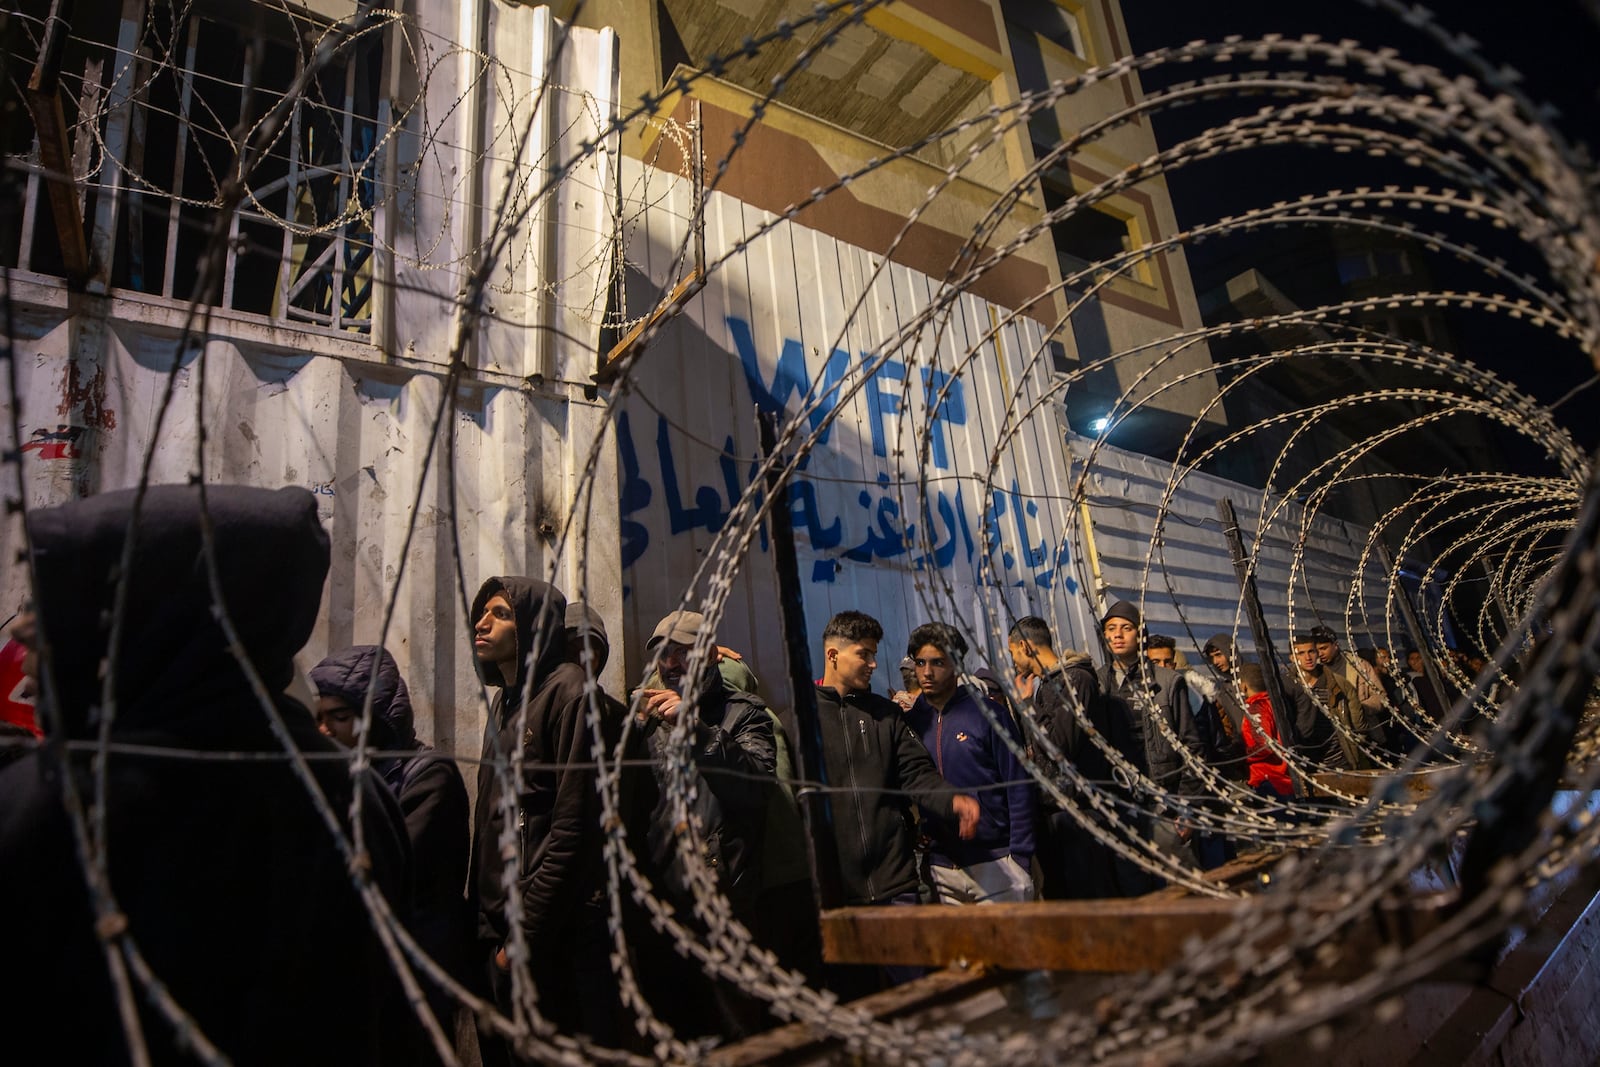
732, 745
221, 871
1143, 692
427, 784
877, 768
1074, 863
538, 805
971, 753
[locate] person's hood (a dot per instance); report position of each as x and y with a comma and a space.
348, 674
540, 609
272, 558
1220, 643
1073, 658
1206, 685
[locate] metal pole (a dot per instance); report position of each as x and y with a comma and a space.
1408, 614
1283, 711
814, 806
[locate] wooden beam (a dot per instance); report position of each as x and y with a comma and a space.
55, 148
1106, 936
797, 1040
1418, 784
680, 295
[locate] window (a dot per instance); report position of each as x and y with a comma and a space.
154, 118
1088, 235
1060, 25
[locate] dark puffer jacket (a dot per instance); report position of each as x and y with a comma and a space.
427, 784
227, 877
555, 805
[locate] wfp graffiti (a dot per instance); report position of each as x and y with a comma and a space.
1000, 542
791, 378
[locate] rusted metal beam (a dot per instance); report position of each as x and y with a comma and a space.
798, 1040
55, 148
1106, 936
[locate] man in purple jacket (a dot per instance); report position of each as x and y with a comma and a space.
967, 735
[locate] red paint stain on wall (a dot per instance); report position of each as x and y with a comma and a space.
88, 395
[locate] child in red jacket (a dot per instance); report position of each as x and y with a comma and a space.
1269, 774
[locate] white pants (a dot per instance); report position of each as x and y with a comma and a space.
1001, 881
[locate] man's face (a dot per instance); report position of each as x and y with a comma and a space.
1384, 660
1020, 657
1162, 657
1219, 660
936, 673
1414, 662
1306, 657
853, 662
495, 633
1122, 637
338, 720
1326, 650
674, 664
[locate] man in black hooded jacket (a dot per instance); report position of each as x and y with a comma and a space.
536, 742
427, 783
222, 873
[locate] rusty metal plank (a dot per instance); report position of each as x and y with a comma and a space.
797, 1039
1108, 936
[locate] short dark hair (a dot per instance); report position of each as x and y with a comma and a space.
854, 626
1034, 630
1323, 635
1253, 676
1306, 637
940, 635
1161, 641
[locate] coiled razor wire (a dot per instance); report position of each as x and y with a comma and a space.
1490, 157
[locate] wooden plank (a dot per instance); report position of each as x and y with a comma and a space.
690, 285
1243, 870
797, 1039
1104, 936
55, 159
1361, 783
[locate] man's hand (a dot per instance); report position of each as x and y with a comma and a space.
1025, 684
661, 704
500, 960
966, 809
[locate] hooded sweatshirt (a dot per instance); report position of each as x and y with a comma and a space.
230, 881
555, 804
427, 784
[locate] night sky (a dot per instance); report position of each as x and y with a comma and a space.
1555, 53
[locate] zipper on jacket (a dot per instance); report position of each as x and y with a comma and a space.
855, 791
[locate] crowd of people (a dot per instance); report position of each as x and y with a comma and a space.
252, 915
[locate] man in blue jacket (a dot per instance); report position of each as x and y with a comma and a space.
967, 736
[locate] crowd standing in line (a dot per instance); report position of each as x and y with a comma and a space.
926, 792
